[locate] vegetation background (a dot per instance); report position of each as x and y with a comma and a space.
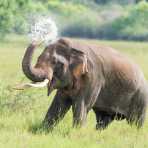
104, 19
22, 112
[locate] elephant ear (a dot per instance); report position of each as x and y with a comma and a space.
78, 63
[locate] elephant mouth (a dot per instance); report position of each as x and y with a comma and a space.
51, 86
55, 83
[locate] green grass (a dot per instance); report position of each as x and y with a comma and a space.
21, 112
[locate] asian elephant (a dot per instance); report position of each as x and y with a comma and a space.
86, 77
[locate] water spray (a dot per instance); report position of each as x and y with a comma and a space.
43, 30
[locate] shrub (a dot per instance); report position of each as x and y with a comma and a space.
132, 25
89, 23
65, 8
80, 19
22, 18
6, 17
84, 25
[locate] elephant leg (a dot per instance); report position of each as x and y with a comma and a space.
119, 116
59, 107
103, 119
137, 109
79, 113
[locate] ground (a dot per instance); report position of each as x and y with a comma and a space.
21, 112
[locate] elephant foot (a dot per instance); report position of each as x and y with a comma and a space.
103, 123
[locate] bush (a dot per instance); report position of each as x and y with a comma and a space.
65, 9
87, 20
6, 17
23, 16
131, 26
14, 15
83, 26
88, 24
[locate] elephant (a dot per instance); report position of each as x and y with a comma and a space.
88, 77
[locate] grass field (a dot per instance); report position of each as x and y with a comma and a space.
21, 112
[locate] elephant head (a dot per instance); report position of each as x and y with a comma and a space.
59, 65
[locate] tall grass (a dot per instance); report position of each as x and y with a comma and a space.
21, 112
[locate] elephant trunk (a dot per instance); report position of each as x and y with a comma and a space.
33, 73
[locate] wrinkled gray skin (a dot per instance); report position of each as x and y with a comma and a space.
89, 77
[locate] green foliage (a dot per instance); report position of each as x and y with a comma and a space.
137, 22
78, 18
133, 25
82, 26
6, 16
87, 24
21, 19
65, 8
14, 15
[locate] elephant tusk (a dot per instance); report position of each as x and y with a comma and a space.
28, 85
39, 84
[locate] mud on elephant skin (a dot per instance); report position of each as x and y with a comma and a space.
86, 77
